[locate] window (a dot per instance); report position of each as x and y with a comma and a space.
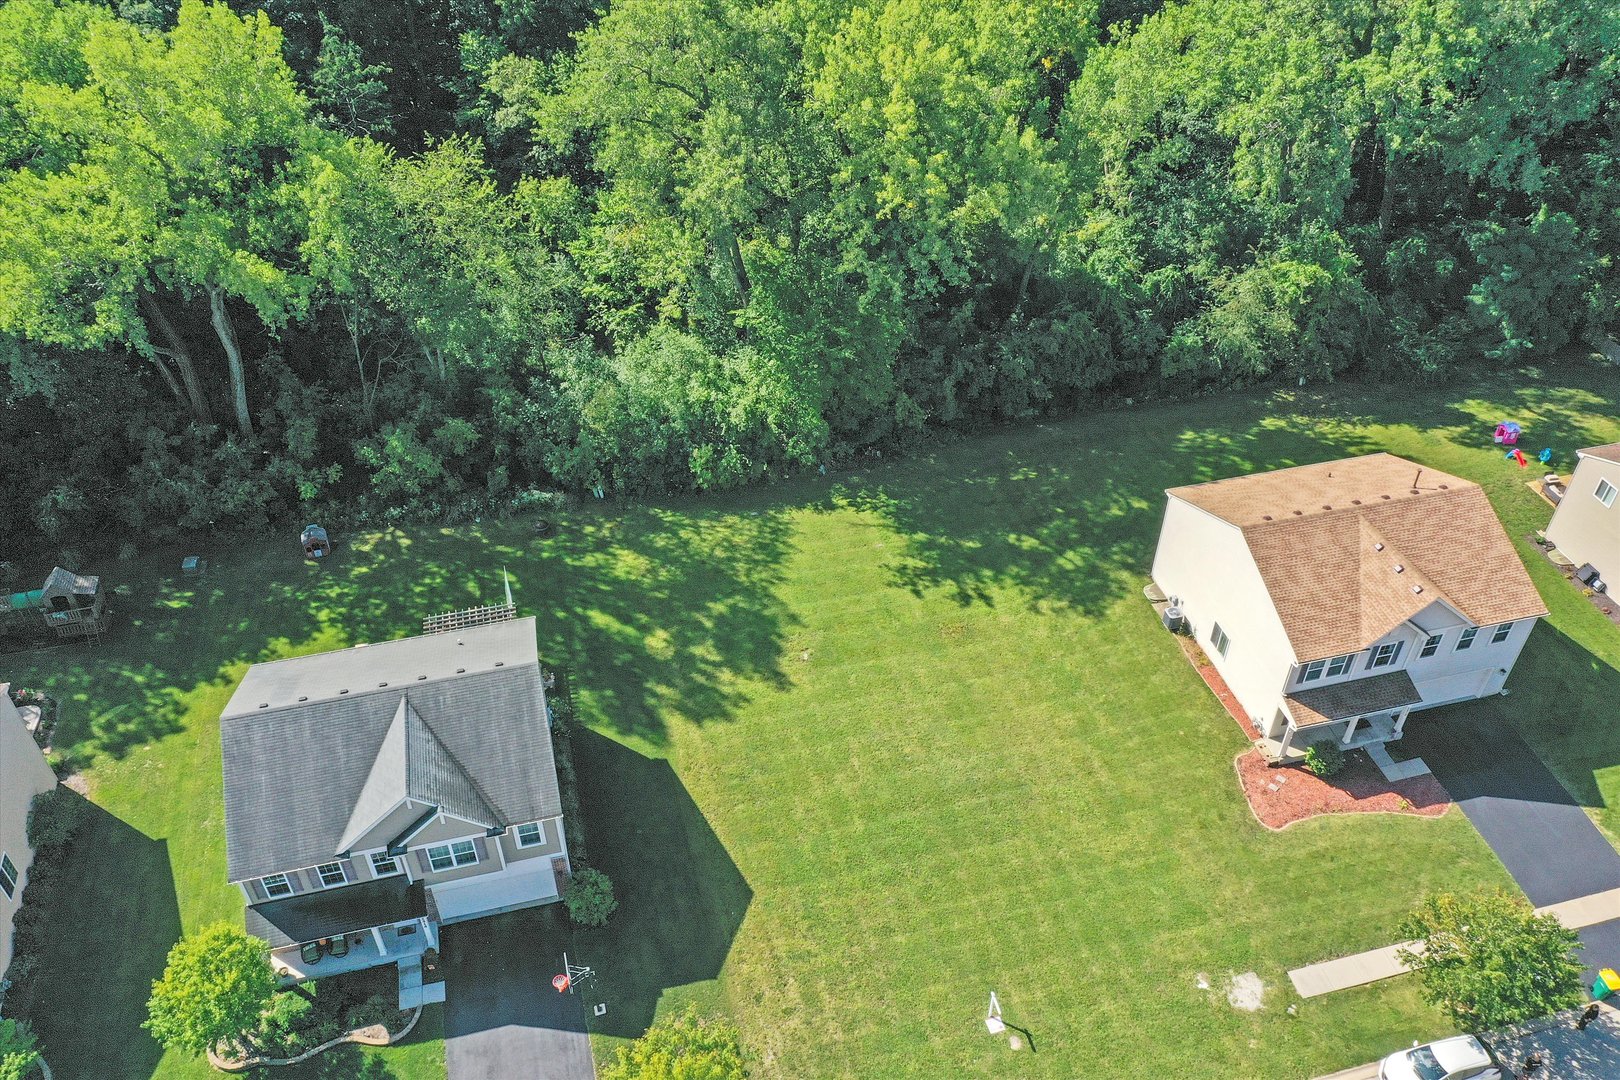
531, 834
1340, 664
1218, 638
8, 875
1502, 633
332, 874
276, 885
1605, 493
451, 855
1385, 655
1465, 641
384, 864
1431, 646
1312, 671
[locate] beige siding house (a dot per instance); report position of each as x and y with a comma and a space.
375, 794
23, 774
1586, 525
1337, 599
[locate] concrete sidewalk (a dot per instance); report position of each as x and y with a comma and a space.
1314, 980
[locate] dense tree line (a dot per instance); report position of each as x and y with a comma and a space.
423, 256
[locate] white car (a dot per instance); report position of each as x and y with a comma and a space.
1461, 1058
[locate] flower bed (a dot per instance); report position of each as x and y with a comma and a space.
1281, 796
371, 1035
359, 1007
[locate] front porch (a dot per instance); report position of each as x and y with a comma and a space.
1357, 713
399, 943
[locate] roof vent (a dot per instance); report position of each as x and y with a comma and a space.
382, 684
1299, 513
1383, 496
1325, 506
1399, 569
304, 698
343, 691
419, 678
1416, 589
500, 663
1445, 487
1265, 517
461, 671
1355, 502
1378, 547
264, 704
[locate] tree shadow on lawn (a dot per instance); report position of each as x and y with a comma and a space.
681, 897
652, 607
1067, 516
115, 918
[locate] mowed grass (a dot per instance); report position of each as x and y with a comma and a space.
863, 748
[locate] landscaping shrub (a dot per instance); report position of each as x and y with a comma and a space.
563, 722
589, 897
281, 1028
684, 1047
1324, 759
215, 988
377, 1009
18, 1050
54, 817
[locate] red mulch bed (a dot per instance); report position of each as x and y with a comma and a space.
1359, 788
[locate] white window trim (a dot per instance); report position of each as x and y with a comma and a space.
397, 860
1501, 633
1465, 640
1220, 639
1393, 654
1345, 663
264, 883
11, 879
320, 876
1307, 674
538, 841
1597, 492
1431, 645
449, 849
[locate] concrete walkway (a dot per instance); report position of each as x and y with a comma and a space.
1395, 770
1314, 980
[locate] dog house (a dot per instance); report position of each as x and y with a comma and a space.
316, 544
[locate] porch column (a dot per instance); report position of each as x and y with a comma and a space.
432, 932
1288, 737
376, 935
1350, 729
1400, 721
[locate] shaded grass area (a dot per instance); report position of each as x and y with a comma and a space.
864, 748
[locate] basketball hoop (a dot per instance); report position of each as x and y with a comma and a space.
561, 982
571, 974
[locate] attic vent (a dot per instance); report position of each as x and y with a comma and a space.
1299, 513
1445, 487
461, 671
303, 699
1355, 502
419, 678
264, 704
1265, 517
1383, 496
382, 684
1378, 547
343, 691
1416, 589
1399, 569
1325, 506
500, 663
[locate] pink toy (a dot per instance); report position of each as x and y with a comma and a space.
1507, 433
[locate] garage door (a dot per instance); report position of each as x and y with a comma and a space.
519, 886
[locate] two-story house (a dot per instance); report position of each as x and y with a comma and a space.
23, 774
1337, 599
376, 793
1586, 525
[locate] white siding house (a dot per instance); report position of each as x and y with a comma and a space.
1337, 599
23, 774
1586, 525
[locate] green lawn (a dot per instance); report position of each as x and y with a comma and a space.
865, 747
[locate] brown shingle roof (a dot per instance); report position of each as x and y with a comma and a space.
1328, 704
1315, 533
1608, 452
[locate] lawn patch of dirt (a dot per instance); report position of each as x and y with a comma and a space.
1281, 796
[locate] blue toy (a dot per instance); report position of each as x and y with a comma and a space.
1545, 455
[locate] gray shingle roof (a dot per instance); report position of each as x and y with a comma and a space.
303, 742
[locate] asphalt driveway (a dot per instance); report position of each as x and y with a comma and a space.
502, 1019
1542, 835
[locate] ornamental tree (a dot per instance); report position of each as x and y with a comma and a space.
18, 1050
1489, 960
214, 989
